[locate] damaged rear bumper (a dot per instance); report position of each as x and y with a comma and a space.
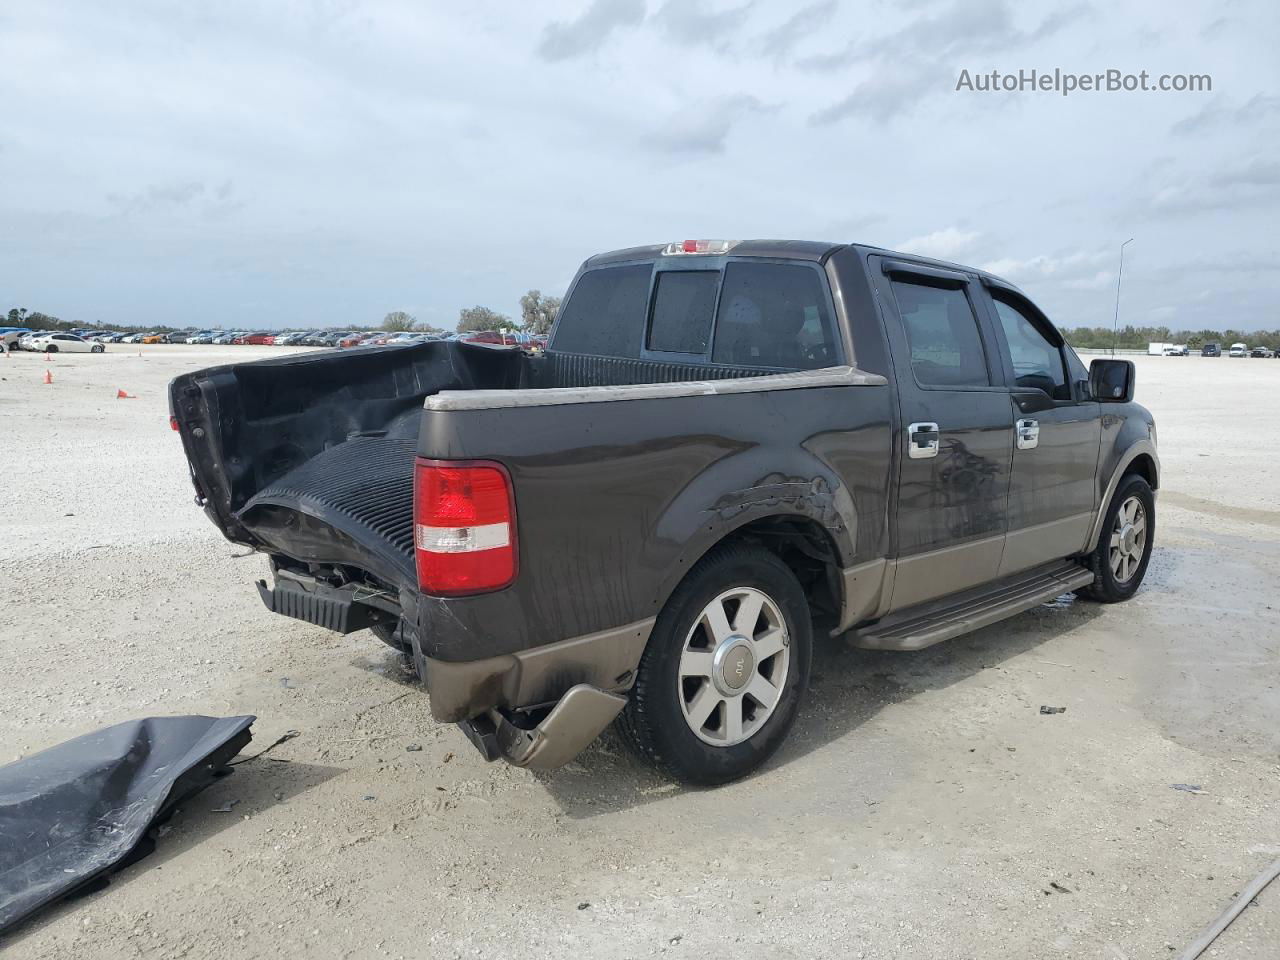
578, 718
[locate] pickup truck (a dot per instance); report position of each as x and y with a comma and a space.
728, 450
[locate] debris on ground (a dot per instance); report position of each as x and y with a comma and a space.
1048, 710
1188, 787
132, 776
225, 808
414, 748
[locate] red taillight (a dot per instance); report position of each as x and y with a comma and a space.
464, 527
173, 423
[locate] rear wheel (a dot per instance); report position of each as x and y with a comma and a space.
51, 348
725, 670
1119, 562
96, 348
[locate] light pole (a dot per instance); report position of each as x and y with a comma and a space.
1115, 326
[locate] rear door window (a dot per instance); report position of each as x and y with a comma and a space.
942, 332
683, 304
605, 313
774, 315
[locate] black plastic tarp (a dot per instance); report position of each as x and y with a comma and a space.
74, 812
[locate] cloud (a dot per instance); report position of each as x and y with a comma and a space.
945, 244
886, 95
1063, 266
157, 198
1100, 280
1252, 185
702, 128
918, 59
692, 23
564, 40
963, 28
782, 39
1216, 114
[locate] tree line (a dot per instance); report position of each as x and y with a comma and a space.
1137, 338
537, 313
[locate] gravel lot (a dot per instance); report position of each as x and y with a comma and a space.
922, 808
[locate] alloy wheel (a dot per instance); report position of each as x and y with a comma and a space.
734, 666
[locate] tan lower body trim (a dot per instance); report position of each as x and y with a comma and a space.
540, 675
1025, 548
937, 573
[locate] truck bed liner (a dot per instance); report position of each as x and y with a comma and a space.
362, 488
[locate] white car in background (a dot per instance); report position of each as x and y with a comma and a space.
64, 343
1238, 350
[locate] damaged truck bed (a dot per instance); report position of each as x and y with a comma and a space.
715, 426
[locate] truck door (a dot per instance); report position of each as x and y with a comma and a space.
955, 437
1053, 489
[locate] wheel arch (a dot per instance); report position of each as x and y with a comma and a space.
1138, 458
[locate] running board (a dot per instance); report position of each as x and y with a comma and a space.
928, 623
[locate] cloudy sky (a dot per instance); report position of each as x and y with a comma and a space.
269, 164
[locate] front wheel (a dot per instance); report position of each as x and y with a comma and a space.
51, 348
1119, 561
96, 348
727, 665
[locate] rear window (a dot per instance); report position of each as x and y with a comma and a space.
774, 315
683, 304
605, 314
946, 349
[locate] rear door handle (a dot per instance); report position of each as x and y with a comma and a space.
1028, 434
922, 440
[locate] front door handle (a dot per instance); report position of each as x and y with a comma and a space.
1028, 434
922, 440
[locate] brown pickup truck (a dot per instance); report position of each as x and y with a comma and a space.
728, 450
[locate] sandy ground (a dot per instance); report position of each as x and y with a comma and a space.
922, 808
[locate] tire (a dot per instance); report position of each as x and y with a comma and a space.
51, 348
96, 348
1117, 572
674, 683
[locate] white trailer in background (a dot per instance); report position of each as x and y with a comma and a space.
1157, 349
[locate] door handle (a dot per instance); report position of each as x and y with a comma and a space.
922, 440
1028, 434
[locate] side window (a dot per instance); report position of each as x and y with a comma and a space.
683, 304
1037, 361
774, 315
942, 332
604, 315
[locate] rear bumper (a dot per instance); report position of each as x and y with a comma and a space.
580, 716
536, 677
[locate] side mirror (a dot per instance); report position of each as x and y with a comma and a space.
1111, 381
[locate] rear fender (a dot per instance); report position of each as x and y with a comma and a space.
761, 483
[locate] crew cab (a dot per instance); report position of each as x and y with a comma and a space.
728, 450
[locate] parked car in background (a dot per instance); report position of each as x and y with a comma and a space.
65, 343
1176, 350
9, 336
289, 339
203, 336
354, 339
1261, 353
1211, 350
489, 336
1238, 350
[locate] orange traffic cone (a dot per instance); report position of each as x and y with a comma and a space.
48, 376
121, 395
